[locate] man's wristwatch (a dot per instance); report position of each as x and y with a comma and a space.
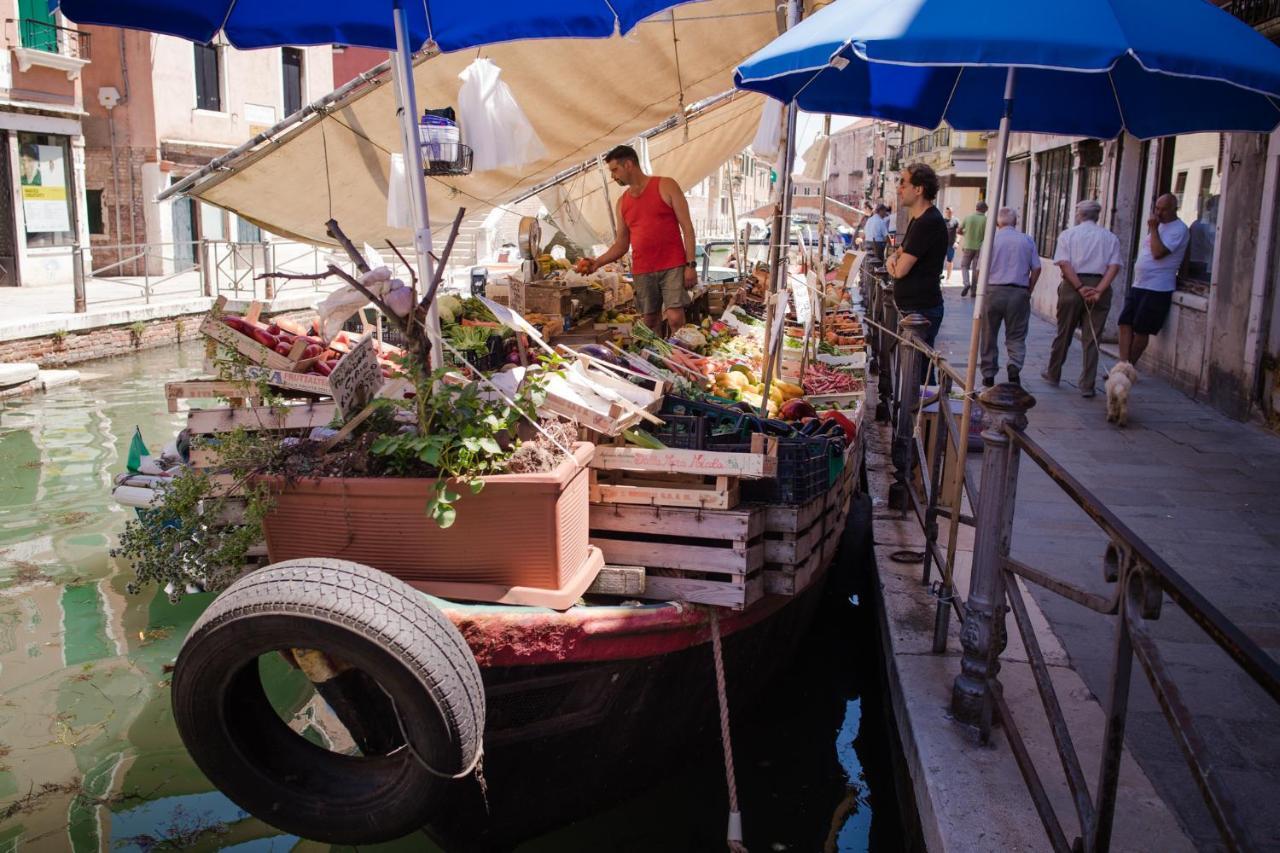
693, 265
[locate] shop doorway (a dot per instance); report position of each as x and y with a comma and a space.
9, 274
184, 247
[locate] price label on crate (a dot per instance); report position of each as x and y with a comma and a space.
356, 378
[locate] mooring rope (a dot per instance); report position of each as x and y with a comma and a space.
734, 834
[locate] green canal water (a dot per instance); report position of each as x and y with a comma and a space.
89, 756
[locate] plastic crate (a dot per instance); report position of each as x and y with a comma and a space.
722, 425
490, 360
803, 472
684, 432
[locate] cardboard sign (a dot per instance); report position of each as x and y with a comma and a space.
356, 378
800, 298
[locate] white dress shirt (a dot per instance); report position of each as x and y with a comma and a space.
1089, 248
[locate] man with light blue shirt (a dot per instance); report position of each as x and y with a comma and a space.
1015, 267
876, 231
1155, 277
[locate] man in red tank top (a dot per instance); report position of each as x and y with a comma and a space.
654, 223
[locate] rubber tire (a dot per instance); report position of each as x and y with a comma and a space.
369, 619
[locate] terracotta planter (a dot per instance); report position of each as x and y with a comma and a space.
522, 540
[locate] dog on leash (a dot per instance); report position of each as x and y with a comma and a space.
1120, 379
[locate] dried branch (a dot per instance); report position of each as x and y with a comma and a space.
373, 297
292, 276
438, 273
332, 229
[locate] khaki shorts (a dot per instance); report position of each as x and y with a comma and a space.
658, 290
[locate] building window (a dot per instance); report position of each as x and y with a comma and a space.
291, 63
1190, 169
208, 77
247, 232
93, 205
1090, 171
1053, 196
45, 181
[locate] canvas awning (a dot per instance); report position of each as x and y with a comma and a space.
582, 96
712, 137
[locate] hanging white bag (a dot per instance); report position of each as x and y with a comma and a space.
493, 124
399, 212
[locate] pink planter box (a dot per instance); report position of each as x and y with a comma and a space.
522, 540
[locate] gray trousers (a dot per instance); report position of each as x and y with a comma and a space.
1010, 306
969, 261
1072, 314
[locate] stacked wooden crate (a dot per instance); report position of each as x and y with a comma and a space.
801, 540
675, 512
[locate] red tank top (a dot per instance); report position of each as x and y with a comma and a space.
656, 243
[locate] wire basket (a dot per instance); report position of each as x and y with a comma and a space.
459, 165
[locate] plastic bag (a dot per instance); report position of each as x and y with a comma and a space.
336, 308
493, 124
399, 210
769, 133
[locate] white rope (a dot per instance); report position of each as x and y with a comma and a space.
734, 834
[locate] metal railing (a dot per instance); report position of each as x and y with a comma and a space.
208, 268
51, 38
926, 477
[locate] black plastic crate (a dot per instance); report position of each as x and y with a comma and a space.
490, 360
721, 422
803, 472
685, 432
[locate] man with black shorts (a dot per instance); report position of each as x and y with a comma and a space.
917, 266
1155, 276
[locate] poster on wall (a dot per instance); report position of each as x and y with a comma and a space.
43, 177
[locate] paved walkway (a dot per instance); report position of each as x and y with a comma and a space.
1201, 489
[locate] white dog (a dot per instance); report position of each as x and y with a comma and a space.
1119, 380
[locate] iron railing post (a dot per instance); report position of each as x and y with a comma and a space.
77, 277
982, 635
888, 319
903, 451
205, 250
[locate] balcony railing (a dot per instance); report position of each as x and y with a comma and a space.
1255, 12
940, 138
51, 38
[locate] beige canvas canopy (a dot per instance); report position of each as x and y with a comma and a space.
582, 96
686, 153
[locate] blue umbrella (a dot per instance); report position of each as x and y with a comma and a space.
1085, 67
439, 25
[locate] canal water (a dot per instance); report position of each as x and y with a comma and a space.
89, 756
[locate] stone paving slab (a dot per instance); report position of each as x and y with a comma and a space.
1201, 490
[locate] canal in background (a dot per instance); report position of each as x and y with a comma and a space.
89, 756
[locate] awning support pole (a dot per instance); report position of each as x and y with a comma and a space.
402, 68
996, 184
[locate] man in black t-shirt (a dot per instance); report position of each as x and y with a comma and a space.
917, 266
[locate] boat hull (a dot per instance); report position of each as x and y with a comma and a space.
565, 739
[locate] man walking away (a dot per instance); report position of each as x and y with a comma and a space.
1015, 268
654, 223
917, 266
876, 231
973, 229
953, 228
1155, 275
1089, 257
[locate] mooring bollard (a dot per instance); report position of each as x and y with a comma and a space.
983, 635
909, 358
888, 320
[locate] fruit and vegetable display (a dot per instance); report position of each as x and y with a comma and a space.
316, 357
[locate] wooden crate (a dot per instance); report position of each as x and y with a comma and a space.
669, 490
214, 329
735, 593
207, 389
780, 518
754, 465
789, 580
255, 418
792, 549
696, 555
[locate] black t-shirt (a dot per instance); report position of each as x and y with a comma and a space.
926, 239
